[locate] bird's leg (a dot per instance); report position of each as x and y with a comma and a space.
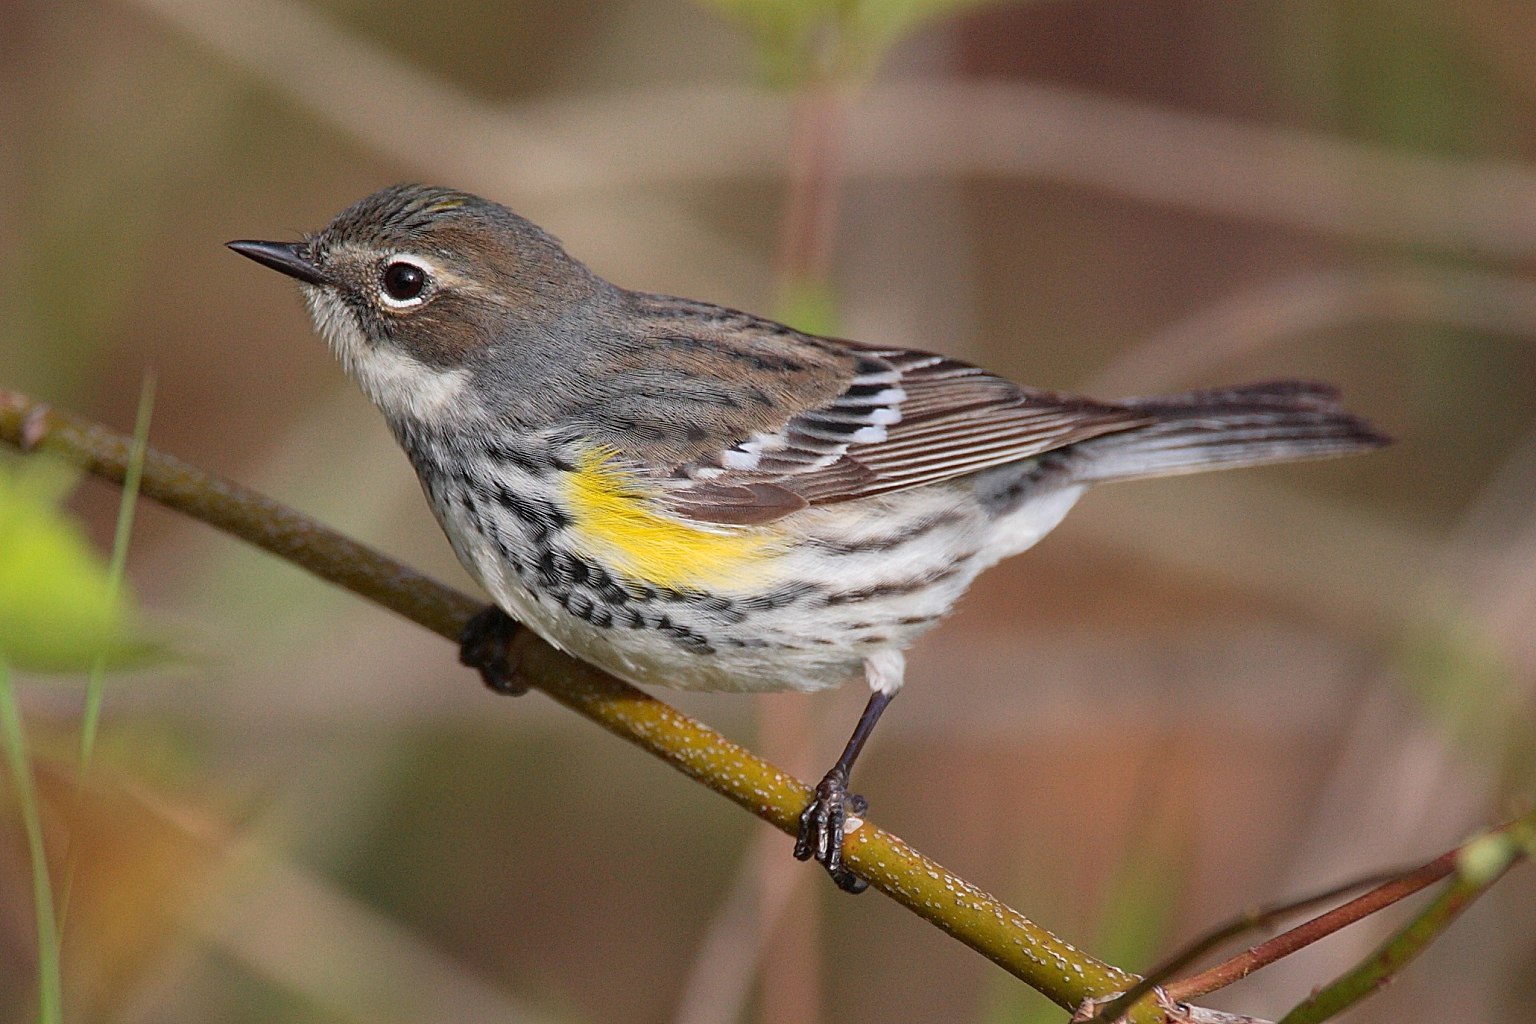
486, 645
821, 823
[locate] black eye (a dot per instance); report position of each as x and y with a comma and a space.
404, 281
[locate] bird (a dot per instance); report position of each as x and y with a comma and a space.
691, 496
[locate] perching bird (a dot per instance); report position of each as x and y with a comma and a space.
690, 496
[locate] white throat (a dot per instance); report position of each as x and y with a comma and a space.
401, 386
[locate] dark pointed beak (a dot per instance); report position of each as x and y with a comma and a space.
289, 258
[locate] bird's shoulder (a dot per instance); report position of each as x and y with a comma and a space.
676, 380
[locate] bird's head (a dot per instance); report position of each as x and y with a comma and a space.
418, 289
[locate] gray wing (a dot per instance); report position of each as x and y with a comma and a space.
906, 418
742, 420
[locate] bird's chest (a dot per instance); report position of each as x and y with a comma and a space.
611, 583
505, 526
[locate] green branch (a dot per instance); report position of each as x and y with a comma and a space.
1024, 949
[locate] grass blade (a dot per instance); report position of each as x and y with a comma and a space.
49, 988
95, 686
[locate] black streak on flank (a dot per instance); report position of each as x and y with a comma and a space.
780, 598
579, 605
534, 463
888, 541
549, 570
684, 637
605, 587
880, 590
541, 516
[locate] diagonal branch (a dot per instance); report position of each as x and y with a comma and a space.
1021, 947
1516, 832
1479, 864
1158, 978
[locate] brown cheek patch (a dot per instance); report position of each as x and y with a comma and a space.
446, 330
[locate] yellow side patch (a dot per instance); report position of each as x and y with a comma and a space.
613, 519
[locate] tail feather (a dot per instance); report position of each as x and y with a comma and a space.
1249, 425
1270, 394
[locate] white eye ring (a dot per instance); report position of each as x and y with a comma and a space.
405, 281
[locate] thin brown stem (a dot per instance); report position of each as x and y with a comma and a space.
1480, 863
815, 165
787, 956
1283, 945
1258, 917
1392, 957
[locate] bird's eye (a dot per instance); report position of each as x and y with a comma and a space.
404, 282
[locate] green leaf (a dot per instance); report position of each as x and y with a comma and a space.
782, 31
881, 24
803, 40
808, 305
58, 612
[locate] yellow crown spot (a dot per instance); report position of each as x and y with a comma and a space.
613, 518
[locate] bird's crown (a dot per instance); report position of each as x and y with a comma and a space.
402, 214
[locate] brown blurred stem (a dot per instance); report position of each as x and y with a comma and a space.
788, 956
815, 164
1382, 896
1251, 920
1019, 946
1496, 852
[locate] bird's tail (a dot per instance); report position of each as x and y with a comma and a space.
1249, 425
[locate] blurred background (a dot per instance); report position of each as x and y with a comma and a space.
1196, 696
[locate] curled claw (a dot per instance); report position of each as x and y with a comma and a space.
486, 645
821, 829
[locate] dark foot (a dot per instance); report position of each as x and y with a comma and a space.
821, 829
486, 645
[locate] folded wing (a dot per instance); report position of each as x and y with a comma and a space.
906, 418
